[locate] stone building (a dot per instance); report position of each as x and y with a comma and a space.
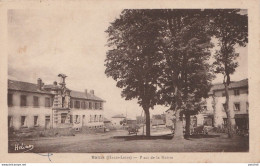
213, 113
118, 119
52, 106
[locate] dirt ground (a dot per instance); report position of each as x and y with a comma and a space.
120, 141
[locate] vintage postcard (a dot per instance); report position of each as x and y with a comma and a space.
130, 81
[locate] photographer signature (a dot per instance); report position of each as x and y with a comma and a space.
25, 148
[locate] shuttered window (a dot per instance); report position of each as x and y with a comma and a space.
35, 101
23, 100
10, 99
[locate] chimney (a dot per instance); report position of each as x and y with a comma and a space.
55, 83
92, 92
86, 92
39, 83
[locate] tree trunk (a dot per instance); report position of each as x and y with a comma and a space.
214, 110
229, 121
178, 134
147, 119
187, 127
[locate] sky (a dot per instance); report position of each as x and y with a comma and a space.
44, 43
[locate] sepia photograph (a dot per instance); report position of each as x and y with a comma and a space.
128, 80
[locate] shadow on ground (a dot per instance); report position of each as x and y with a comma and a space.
166, 137
201, 136
143, 137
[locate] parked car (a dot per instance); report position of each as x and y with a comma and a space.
200, 130
133, 129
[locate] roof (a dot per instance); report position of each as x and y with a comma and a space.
119, 116
25, 86
235, 84
30, 87
106, 120
83, 95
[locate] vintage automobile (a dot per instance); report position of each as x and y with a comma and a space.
200, 130
133, 129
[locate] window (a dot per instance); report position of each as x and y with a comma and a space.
47, 102
10, 121
224, 122
247, 107
23, 100
35, 120
204, 108
77, 119
23, 121
90, 105
47, 122
77, 104
10, 99
86, 105
100, 118
71, 119
236, 107
96, 106
71, 103
82, 105
95, 118
223, 107
90, 118
35, 101
101, 106
63, 117
223, 94
236, 92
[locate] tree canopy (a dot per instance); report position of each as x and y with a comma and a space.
230, 27
161, 56
134, 59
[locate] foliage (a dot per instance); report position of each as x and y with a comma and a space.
230, 27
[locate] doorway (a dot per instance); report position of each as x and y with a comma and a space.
47, 122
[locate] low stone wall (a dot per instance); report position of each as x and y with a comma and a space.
91, 130
40, 132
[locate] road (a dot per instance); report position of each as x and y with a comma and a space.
120, 141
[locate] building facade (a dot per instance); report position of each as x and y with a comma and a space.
117, 120
213, 113
52, 106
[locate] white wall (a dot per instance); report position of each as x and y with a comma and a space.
87, 114
16, 111
116, 121
220, 100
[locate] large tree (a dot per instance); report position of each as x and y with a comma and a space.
230, 27
187, 75
134, 58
